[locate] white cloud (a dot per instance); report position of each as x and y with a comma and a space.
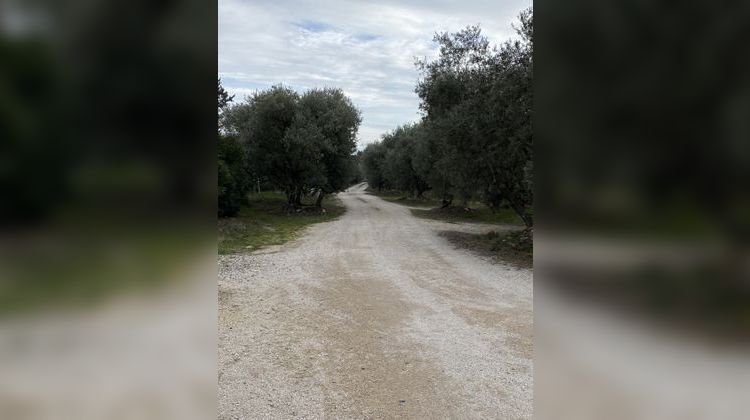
364, 48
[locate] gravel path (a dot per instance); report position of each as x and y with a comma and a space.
373, 316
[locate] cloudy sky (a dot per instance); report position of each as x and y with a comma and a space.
366, 48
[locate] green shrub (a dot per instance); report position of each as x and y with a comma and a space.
233, 176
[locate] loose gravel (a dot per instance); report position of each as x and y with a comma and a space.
373, 315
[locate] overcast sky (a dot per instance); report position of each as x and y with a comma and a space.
366, 48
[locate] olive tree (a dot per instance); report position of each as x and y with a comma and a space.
373, 158
398, 165
334, 120
298, 142
477, 103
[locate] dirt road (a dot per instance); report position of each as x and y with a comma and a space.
373, 316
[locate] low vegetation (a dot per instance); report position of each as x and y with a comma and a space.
429, 207
474, 212
83, 268
400, 197
267, 221
480, 214
515, 247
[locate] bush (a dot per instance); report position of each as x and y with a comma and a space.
233, 176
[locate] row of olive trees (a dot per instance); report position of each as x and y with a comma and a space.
396, 161
295, 143
475, 139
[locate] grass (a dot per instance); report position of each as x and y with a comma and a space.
514, 247
404, 198
475, 213
479, 214
77, 266
264, 221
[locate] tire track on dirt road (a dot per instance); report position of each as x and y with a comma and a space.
373, 315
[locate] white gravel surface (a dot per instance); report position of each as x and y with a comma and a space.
373, 316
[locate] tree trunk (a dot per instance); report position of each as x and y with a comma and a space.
289, 191
520, 210
293, 194
298, 197
447, 201
421, 188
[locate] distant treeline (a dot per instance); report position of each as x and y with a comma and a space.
475, 139
301, 144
